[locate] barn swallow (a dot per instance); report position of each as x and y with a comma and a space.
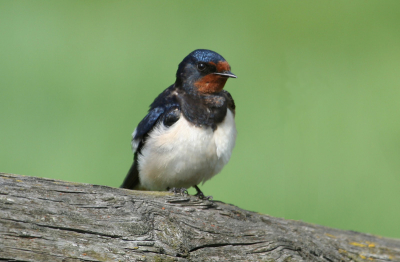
189, 133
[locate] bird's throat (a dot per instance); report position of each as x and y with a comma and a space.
210, 84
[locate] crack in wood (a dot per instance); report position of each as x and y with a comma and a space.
223, 245
76, 230
99, 223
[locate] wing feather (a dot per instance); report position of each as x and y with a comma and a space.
161, 106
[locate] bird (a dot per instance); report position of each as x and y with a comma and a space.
189, 132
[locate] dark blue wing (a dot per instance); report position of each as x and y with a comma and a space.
164, 108
159, 109
148, 122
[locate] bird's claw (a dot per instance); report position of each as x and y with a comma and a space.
201, 196
176, 190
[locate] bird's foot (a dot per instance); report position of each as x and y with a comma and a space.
203, 197
200, 194
182, 191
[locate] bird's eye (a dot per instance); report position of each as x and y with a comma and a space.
201, 66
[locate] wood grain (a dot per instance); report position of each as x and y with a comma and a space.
50, 220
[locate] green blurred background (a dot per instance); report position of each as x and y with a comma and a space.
317, 95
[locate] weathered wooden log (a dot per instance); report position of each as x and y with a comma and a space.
50, 220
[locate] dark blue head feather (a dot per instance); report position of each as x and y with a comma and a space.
195, 57
204, 55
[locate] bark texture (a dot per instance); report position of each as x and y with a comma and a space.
50, 220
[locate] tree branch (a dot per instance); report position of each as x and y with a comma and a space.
50, 220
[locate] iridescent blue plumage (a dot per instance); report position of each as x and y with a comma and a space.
203, 55
199, 55
197, 102
161, 105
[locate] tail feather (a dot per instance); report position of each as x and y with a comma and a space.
132, 178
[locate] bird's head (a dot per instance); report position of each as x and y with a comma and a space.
203, 71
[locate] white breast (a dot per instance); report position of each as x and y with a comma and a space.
184, 155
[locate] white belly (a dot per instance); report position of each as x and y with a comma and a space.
184, 155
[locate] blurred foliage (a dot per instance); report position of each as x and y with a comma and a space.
317, 97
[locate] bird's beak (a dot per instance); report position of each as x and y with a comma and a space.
226, 74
